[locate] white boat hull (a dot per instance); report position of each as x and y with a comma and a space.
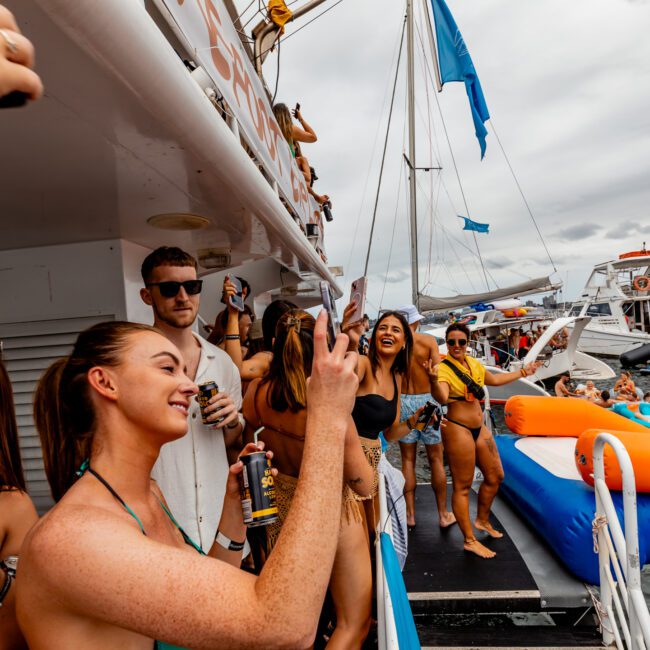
608, 342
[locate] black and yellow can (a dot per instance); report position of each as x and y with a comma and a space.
257, 490
207, 390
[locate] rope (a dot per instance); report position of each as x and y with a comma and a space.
599, 522
277, 78
383, 155
530, 212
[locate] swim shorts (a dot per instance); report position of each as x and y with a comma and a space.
409, 404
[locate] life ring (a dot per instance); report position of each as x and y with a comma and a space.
641, 283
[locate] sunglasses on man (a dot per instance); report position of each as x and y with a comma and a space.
171, 288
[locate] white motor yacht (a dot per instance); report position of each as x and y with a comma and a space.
617, 297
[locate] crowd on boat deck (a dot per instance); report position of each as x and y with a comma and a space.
147, 545
624, 390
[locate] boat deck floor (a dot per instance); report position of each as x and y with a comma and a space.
522, 598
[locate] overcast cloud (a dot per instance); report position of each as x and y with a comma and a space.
568, 88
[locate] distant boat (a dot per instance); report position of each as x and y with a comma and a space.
617, 297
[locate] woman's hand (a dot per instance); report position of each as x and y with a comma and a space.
431, 369
531, 368
232, 485
353, 330
333, 383
296, 113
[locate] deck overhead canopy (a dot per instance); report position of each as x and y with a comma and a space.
538, 285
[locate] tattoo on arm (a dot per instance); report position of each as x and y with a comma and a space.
355, 481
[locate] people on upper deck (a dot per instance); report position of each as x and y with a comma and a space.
278, 403
292, 132
17, 57
309, 176
416, 392
458, 382
192, 470
112, 542
17, 515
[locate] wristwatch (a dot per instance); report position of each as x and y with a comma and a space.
9, 566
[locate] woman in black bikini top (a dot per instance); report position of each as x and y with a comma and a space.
458, 382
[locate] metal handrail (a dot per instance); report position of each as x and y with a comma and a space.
623, 605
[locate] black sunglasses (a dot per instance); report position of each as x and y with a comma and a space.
171, 288
460, 342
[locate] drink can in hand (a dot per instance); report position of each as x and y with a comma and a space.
207, 390
257, 490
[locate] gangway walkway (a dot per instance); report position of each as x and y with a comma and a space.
522, 598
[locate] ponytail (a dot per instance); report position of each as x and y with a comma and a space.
293, 353
63, 407
295, 385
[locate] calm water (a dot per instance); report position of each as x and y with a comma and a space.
422, 466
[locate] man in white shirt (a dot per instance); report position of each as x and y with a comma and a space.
192, 471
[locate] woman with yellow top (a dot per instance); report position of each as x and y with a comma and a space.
458, 382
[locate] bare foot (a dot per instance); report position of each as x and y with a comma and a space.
474, 546
447, 519
488, 528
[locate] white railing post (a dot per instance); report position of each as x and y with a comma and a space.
637, 636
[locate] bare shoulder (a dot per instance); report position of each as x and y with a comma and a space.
16, 504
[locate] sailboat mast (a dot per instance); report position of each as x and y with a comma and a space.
415, 283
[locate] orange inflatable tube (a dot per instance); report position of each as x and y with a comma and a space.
638, 446
529, 415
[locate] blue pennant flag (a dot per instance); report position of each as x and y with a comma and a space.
475, 226
456, 65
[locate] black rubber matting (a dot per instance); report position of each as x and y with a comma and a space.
437, 562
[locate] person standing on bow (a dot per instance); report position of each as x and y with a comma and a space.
458, 382
415, 394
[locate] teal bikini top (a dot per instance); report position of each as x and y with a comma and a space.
85, 467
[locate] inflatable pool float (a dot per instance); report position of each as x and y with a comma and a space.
543, 482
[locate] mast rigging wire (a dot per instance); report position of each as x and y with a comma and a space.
530, 212
383, 156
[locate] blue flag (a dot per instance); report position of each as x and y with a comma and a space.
474, 225
456, 65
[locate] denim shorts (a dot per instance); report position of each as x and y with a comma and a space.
409, 404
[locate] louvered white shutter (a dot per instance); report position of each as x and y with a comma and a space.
28, 349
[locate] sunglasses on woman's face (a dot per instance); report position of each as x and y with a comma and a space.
171, 288
459, 342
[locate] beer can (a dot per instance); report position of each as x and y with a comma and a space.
257, 490
207, 390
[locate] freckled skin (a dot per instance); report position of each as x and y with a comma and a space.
90, 578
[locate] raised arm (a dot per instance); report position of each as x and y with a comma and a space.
439, 389
189, 600
503, 378
304, 134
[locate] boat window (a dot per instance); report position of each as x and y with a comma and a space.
575, 310
600, 309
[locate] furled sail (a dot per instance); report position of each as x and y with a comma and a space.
538, 285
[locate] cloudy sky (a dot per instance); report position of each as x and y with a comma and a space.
567, 84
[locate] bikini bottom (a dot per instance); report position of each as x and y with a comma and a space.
475, 431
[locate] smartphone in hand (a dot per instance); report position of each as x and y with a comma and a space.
358, 295
296, 110
236, 301
333, 323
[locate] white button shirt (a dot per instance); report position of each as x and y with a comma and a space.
192, 471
